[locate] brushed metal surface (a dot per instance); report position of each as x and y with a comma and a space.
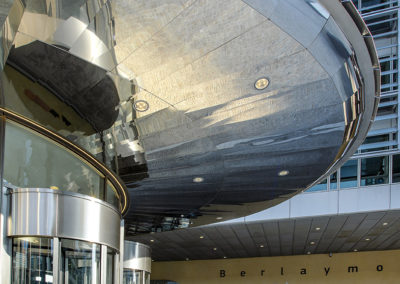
137, 256
210, 146
45, 212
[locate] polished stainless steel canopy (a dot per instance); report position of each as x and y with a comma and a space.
207, 110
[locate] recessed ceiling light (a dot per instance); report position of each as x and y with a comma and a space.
283, 173
385, 224
141, 105
355, 250
219, 218
224, 256
317, 229
152, 241
201, 237
187, 259
367, 239
198, 179
214, 248
309, 252
152, 260
261, 83
261, 246
312, 243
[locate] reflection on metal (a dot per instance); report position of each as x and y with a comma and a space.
137, 256
48, 213
119, 186
206, 119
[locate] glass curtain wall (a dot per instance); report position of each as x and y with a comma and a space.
33, 161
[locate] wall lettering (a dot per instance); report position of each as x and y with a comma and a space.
262, 272
327, 270
281, 270
303, 271
242, 273
379, 267
352, 269
222, 273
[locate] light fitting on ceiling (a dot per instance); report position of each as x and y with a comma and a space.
261, 83
283, 173
261, 246
214, 248
367, 239
355, 250
152, 241
385, 224
141, 105
312, 243
309, 252
219, 218
198, 179
201, 237
318, 228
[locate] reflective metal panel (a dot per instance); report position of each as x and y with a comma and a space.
189, 134
137, 256
45, 212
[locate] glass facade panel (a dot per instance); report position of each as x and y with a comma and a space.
333, 181
31, 160
319, 187
374, 171
80, 262
396, 168
348, 174
32, 260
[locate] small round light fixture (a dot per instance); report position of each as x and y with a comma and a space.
214, 249
309, 252
152, 241
224, 256
312, 243
198, 179
367, 239
187, 259
385, 224
141, 105
318, 228
355, 250
201, 237
283, 173
261, 83
261, 246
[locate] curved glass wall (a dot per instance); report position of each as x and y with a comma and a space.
136, 277
80, 262
32, 260
36, 162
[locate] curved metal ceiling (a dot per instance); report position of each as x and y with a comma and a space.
192, 137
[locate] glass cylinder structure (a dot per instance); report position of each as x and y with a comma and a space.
137, 263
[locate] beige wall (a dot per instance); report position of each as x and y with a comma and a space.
208, 271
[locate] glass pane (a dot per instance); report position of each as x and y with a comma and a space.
396, 168
146, 278
348, 174
374, 171
80, 262
111, 195
32, 260
33, 161
110, 265
333, 181
132, 276
319, 187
